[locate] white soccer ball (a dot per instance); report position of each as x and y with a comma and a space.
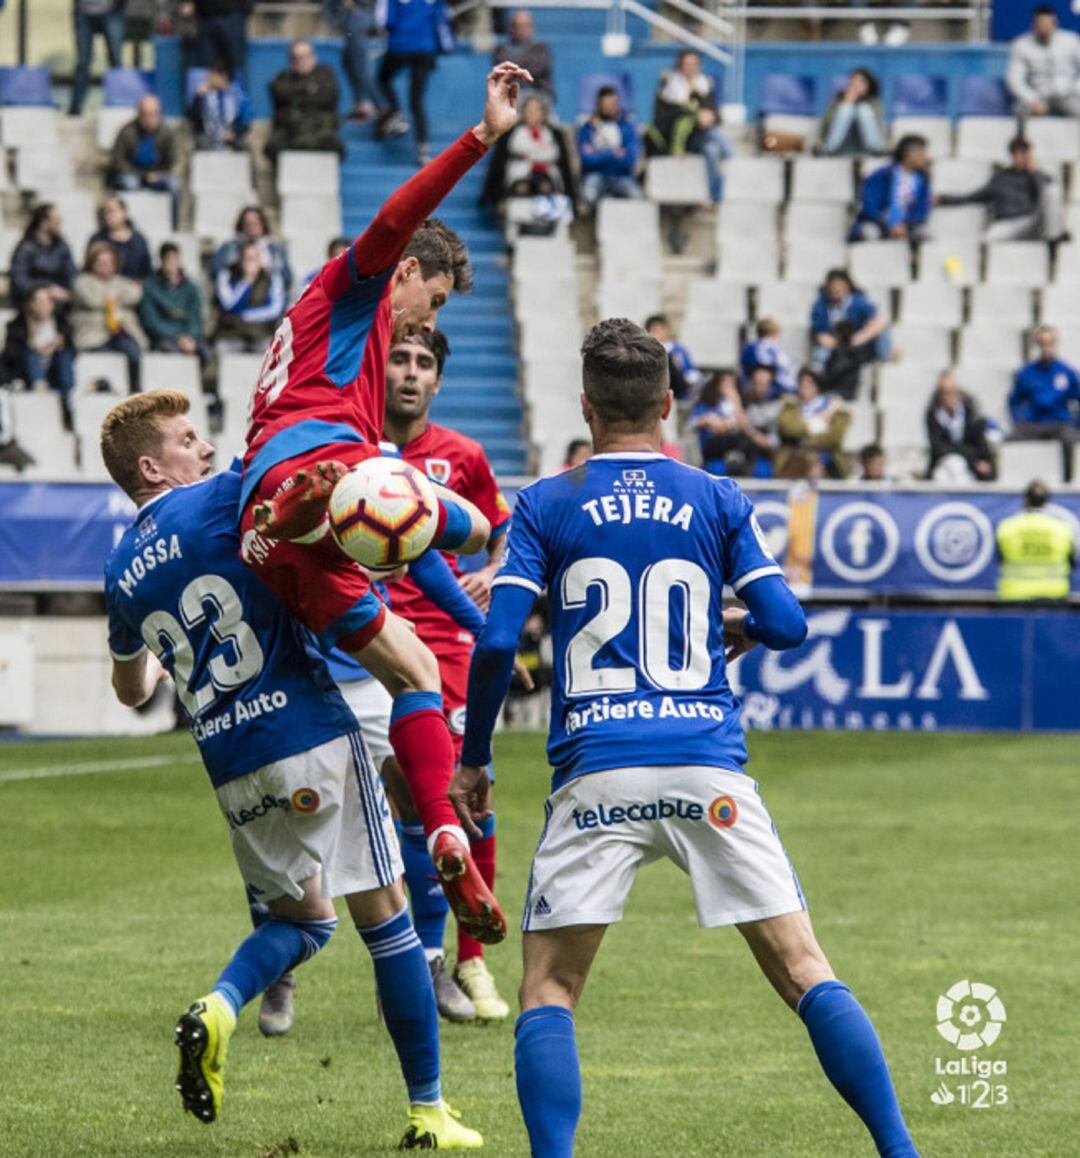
383, 513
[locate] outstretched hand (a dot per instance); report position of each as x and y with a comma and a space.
501, 110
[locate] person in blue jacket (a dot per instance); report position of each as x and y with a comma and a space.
841, 300
417, 31
896, 198
609, 149
1045, 399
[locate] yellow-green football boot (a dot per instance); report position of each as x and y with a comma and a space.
438, 1128
202, 1036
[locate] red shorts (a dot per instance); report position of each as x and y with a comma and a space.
319, 584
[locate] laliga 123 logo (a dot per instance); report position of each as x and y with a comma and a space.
970, 1016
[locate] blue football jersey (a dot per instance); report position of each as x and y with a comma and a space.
634, 551
175, 584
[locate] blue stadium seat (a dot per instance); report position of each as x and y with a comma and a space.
125, 87
920, 96
837, 83
592, 82
25, 86
788, 95
983, 96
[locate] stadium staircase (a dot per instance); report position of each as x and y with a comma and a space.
480, 396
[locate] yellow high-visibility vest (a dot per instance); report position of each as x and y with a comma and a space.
1036, 557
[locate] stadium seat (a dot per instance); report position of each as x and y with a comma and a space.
789, 104
237, 376
87, 411
880, 263
1056, 139
616, 219
985, 138
78, 217
915, 95
827, 179
125, 87
923, 342
1005, 304
903, 415
9, 238
787, 301
592, 82
213, 171
111, 367
298, 211
25, 85
171, 372
937, 131
983, 96
988, 383
1025, 263
38, 425
308, 174
809, 259
736, 255
151, 212
633, 296
28, 126
864, 425
796, 341
307, 253
1020, 462
738, 219
959, 176
712, 342
958, 223
957, 262
108, 124
216, 213
935, 303
719, 300
676, 180
43, 170
992, 342
757, 179
815, 222
1061, 305
546, 335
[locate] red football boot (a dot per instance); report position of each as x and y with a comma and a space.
298, 510
473, 902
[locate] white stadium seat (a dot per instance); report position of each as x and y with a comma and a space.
237, 377
718, 300
1022, 263
786, 301
959, 176
1008, 304
936, 303
880, 263
738, 256
618, 217
1021, 462
677, 180
27, 126
628, 296
307, 253
810, 258
953, 262
924, 342
863, 428
988, 383
87, 412
171, 372
1067, 264
37, 420
150, 212
110, 120
216, 213
1061, 304
738, 219
713, 343
43, 168
993, 342
308, 174
1055, 139
758, 179
107, 366
956, 222
212, 172
822, 179
815, 221
300, 209
903, 419
937, 131
985, 138
78, 218
9, 238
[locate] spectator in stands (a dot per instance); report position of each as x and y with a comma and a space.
727, 440
532, 160
305, 100
767, 350
221, 29
873, 465
104, 18
812, 426
685, 376
686, 118
528, 53
1025, 202
43, 257
171, 307
104, 315
253, 226
220, 113
608, 147
38, 346
250, 301
578, 451
960, 451
762, 402
854, 122
114, 226
1043, 76
840, 300
415, 36
1045, 397
842, 372
896, 198
144, 155
355, 20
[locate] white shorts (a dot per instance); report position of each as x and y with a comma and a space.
371, 704
600, 828
322, 811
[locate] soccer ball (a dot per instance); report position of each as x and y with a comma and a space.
383, 513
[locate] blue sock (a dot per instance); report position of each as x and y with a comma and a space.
548, 1079
274, 948
851, 1056
408, 1003
429, 904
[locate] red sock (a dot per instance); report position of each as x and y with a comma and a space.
483, 854
425, 752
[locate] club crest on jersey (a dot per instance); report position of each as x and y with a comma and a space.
633, 477
438, 470
305, 800
723, 812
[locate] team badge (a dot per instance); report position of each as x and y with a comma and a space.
438, 470
723, 812
305, 800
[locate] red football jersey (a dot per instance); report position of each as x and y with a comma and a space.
459, 463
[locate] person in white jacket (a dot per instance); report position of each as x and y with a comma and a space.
1044, 68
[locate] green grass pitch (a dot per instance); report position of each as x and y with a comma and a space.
926, 859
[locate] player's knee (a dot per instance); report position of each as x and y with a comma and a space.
417, 670
315, 934
801, 973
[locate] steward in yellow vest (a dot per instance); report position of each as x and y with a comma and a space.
1036, 551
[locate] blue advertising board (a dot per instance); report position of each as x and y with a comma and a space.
918, 671
1009, 18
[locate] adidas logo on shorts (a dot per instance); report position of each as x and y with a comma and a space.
542, 908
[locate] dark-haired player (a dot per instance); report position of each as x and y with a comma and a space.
646, 742
317, 411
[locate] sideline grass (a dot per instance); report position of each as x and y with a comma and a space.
926, 859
